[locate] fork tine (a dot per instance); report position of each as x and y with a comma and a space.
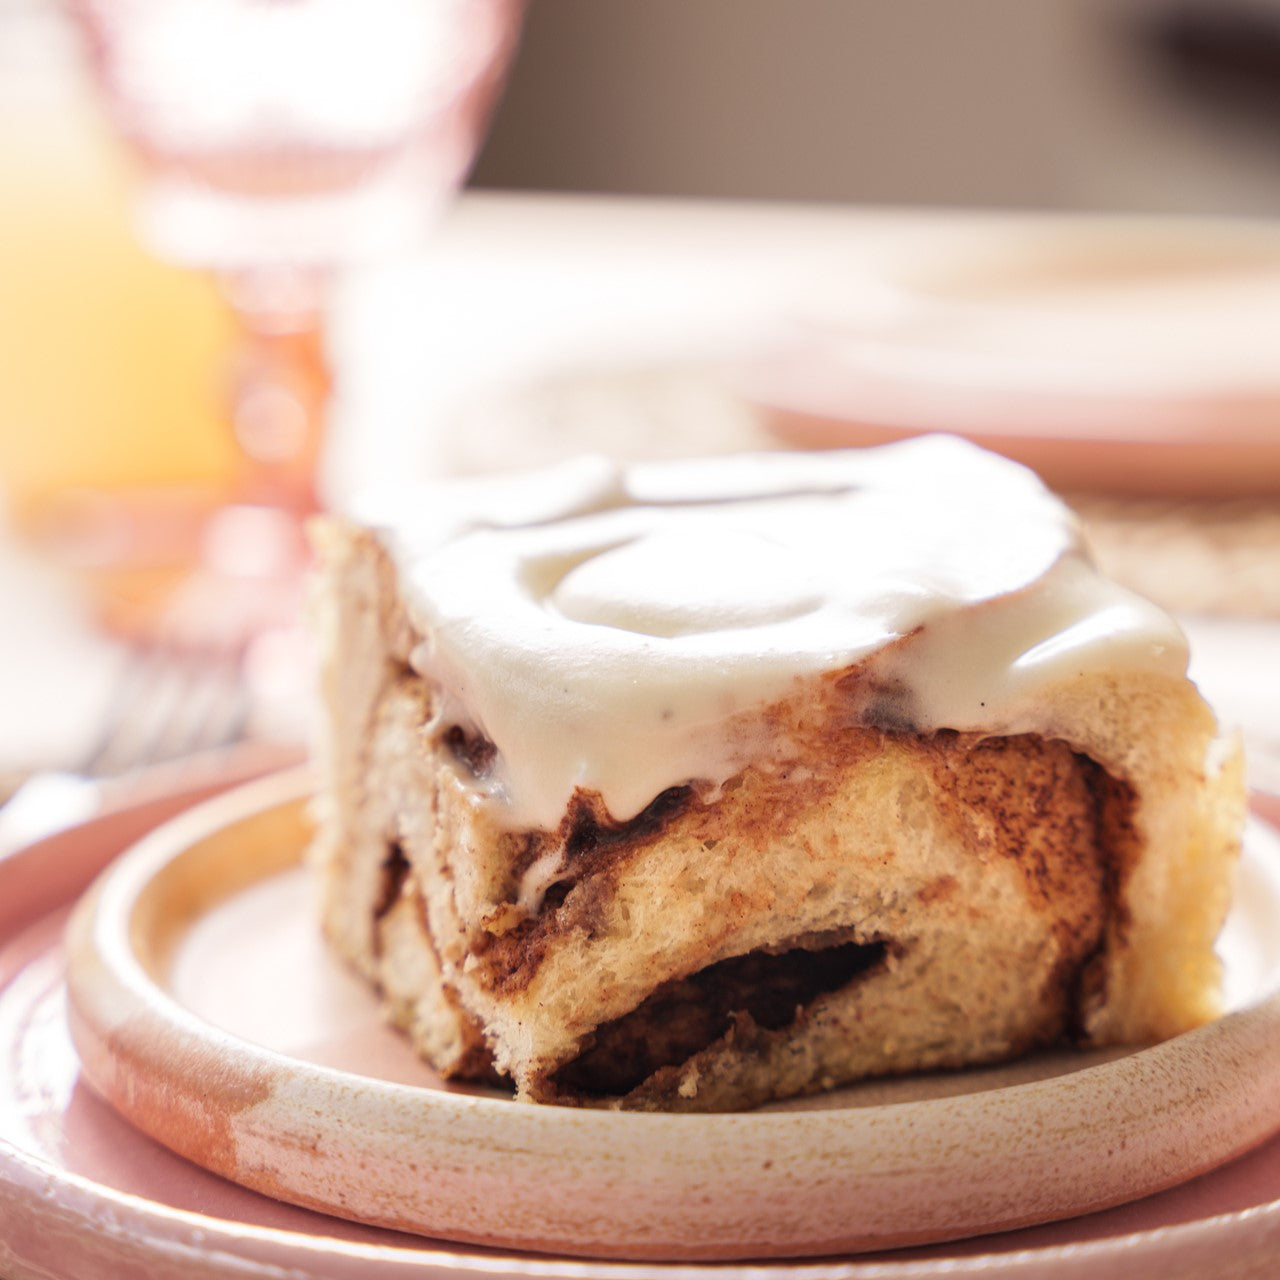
210, 710
118, 721
168, 704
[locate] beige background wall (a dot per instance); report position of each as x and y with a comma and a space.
983, 102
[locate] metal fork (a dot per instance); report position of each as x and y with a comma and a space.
167, 704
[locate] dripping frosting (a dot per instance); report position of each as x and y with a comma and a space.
602, 624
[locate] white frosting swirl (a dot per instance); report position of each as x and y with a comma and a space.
600, 625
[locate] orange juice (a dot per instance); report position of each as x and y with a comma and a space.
110, 362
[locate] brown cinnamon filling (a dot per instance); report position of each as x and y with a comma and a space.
395, 868
1068, 825
589, 832
590, 837
474, 750
685, 1016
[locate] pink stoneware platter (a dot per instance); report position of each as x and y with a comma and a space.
1111, 354
85, 1196
205, 1009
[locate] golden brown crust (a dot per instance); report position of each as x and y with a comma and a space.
1018, 798
913, 901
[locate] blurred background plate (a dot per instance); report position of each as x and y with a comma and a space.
1114, 355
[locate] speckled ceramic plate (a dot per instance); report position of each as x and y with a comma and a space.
205, 1009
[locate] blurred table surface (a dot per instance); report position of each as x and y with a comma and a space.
537, 326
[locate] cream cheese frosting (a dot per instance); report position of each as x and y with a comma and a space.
602, 624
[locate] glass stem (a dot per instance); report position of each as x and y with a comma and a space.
280, 386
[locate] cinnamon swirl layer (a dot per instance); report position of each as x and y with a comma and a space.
699, 784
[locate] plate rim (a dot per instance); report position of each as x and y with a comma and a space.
127, 876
